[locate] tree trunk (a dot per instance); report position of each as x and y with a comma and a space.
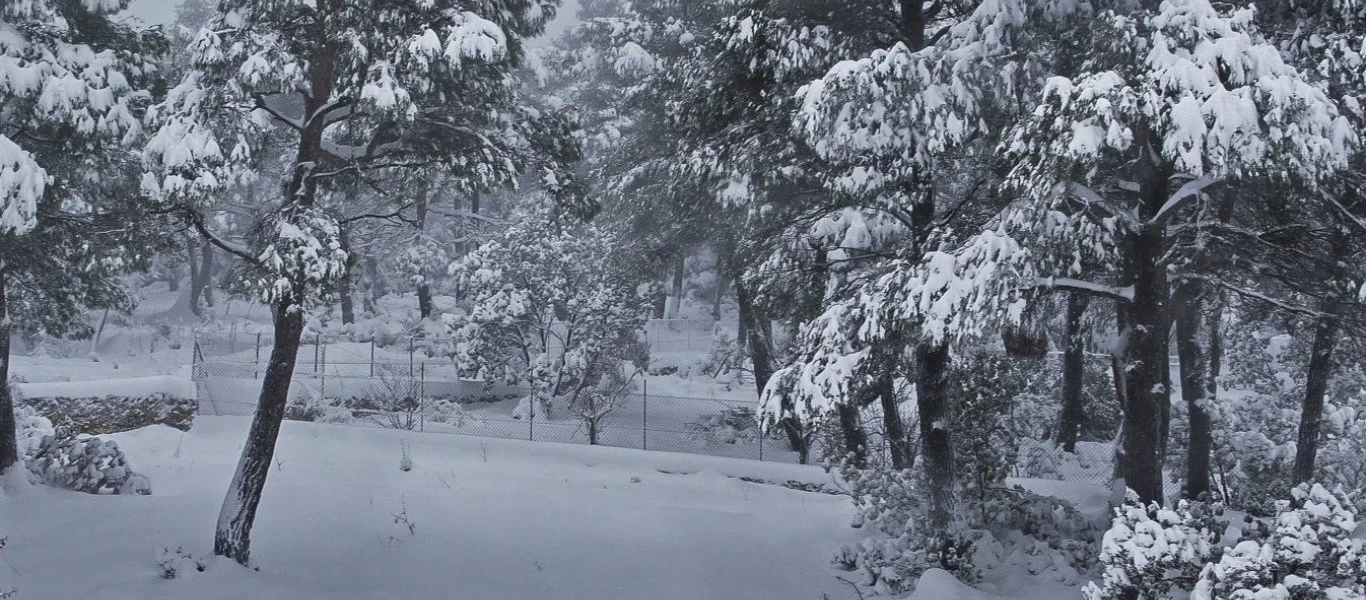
196, 281
344, 285
661, 303
676, 299
377, 289
855, 440
424, 289
902, 454
1024, 342
206, 272
1146, 368
1316, 387
233, 537
1073, 374
759, 339
9, 442
720, 294
1195, 376
936, 441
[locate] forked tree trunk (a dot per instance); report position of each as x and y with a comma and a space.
1195, 369
233, 536
936, 440
1073, 414
1316, 388
9, 442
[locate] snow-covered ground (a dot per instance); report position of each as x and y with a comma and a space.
490, 519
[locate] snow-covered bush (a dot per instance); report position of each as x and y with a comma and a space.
1309, 555
32, 428
1149, 551
85, 464
171, 562
551, 307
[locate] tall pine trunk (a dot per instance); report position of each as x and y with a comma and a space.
233, 536
1316, 388
344, 285
1193, 324
936, 441
1073, 414
9, 442
855, 440
196, 281
1146, 368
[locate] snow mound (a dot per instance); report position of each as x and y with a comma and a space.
938, 584
177, 387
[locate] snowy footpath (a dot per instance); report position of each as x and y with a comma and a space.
479, 519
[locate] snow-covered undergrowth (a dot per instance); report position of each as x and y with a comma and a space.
474, 518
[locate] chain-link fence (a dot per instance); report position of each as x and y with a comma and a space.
430, 397
397, 386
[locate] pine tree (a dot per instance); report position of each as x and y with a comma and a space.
357, 92
73, 84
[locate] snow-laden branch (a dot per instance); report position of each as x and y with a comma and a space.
1122, 294
1191, 190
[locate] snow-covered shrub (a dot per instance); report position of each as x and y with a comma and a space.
1310, 554
1149, 551
112, 414
85, 464
171, 562
984, 387
888, 503
553, 308
1040, 459
32, 428
1068, 533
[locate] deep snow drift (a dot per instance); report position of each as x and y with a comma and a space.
476, 518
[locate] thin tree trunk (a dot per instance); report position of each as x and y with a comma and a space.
855, 440
233, 536
9, 442
1316, 388
377, 289
196, 281
1195, 375
936, 441
676, 299
424, 289
344, 285
720, 294
206, 272
1073, 374
759, 338
894, 428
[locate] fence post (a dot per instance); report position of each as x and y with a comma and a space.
422, 399
531, 419
317, 348
372, 357
410, 356
257, 373
761, 444
644, 412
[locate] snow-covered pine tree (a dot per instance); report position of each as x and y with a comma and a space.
72, 82
1170, 101
907, 129
357, 91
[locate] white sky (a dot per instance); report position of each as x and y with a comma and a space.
162, 12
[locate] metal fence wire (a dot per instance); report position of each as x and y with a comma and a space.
398, 387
